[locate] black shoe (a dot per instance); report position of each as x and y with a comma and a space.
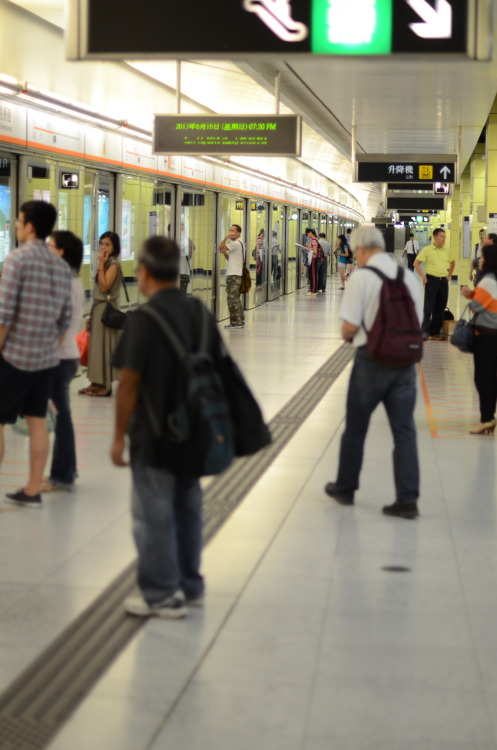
20, 498
402, 510
344, 498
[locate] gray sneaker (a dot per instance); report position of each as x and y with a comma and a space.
172, 608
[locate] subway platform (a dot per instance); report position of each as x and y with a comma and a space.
323, 626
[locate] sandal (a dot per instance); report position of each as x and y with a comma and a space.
49, 487
100, 393
88, 390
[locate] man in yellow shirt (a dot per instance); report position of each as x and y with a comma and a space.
439, 267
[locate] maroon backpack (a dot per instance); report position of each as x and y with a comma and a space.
395, 338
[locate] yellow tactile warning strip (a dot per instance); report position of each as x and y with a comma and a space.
451, 400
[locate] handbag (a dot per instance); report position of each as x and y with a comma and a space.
82, 341
111, 316
251, 433
246, 283
463, 336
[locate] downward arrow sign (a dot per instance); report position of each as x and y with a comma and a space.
437, 21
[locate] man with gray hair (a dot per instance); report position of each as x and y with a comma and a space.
372, 383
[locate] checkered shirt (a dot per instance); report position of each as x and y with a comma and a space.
35, 305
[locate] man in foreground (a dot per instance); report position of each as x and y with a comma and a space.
372, 383
166, 508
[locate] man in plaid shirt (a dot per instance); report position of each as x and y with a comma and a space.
35, 310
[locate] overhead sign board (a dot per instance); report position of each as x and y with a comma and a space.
416, 204
269, 135
196, 28
406, 168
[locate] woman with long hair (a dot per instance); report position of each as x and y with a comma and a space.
483, 302
103, 339
63, 470
342, 251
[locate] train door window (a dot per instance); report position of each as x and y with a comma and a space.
196, 237
161, 212
128, 224
276, 252
41, 184
232, 210
293, 251
258, 251
7, 207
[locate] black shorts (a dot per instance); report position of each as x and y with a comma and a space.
23, 393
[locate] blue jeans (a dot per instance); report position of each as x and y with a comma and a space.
63, 470
372, 383
167, 528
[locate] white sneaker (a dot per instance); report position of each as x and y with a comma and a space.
172, 608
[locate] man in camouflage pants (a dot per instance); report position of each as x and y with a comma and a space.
233, 250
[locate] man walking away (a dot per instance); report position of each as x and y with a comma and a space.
372, 383
411, 250
35, 310
439, 266
166, 508
233, 250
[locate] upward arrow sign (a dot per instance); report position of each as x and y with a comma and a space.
445, 172
437, 21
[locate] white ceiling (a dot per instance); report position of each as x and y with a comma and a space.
399, 105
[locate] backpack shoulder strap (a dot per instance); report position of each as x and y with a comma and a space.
379, 273
173, 337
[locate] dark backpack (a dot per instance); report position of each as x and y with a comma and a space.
197, 437
395, 338
320, 254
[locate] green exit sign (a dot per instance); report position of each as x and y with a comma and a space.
361, 27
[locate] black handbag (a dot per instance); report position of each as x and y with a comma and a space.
463, 335
250, 431
111, 316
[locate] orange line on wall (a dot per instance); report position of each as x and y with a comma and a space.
104, 160
44, 130
429, 410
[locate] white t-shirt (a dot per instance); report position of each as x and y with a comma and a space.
68, 349
235, 260
408, 247
361, 297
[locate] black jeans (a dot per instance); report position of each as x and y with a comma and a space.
63, 470
485, 359
395, 387
436, 296
410, 261
321, 272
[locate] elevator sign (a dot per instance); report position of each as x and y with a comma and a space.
218, 28
409, 168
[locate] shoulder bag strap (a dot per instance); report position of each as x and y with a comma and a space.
124, 286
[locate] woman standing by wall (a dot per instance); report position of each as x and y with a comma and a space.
484, 303
103, 340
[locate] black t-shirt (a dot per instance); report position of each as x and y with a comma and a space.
143, 347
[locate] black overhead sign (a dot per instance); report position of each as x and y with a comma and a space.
125, 29
416, 204
376, 168
270, 135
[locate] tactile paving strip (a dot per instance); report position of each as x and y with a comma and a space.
40, 700
451, 400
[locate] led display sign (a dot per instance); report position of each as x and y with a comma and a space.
271, 135
196, 28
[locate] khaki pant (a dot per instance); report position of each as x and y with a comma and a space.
235, 304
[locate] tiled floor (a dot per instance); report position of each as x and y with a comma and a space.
306, 642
